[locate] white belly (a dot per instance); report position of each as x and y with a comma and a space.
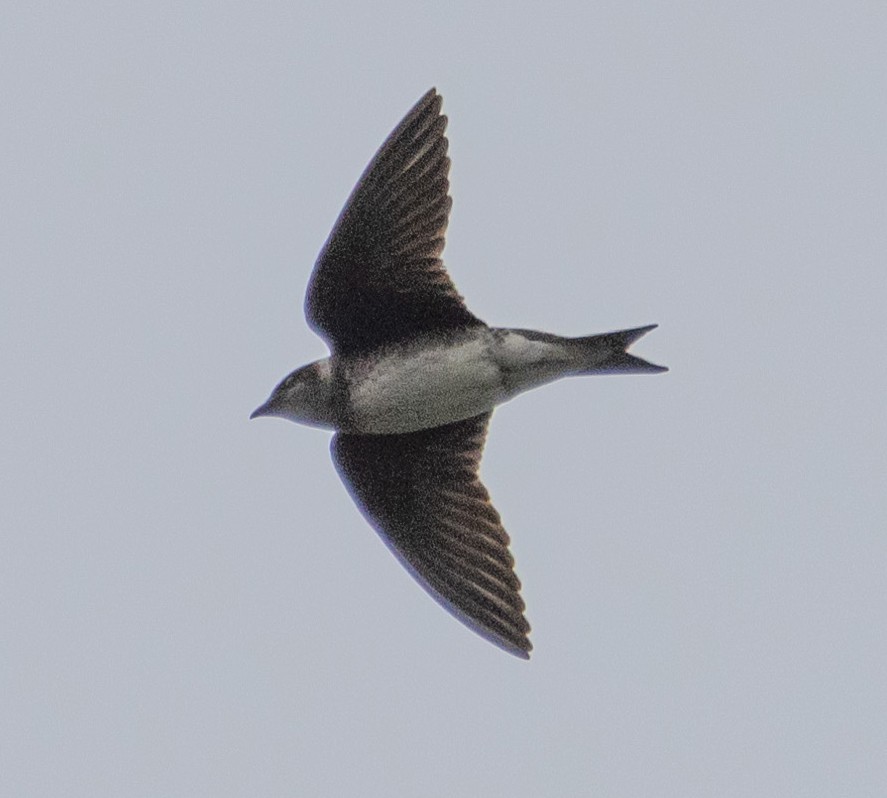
425, 388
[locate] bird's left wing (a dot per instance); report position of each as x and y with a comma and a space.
422, 494
379, 278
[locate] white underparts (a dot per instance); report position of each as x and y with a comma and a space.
440, 383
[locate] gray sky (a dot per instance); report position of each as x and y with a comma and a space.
190, 604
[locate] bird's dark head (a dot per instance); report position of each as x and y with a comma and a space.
305, 396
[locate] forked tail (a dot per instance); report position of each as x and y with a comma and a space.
606, 353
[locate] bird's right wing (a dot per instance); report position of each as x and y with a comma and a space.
422, 494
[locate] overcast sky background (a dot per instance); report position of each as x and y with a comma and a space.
191, 605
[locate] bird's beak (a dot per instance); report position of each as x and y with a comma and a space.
264, 410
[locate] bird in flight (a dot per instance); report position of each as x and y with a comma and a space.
413, 378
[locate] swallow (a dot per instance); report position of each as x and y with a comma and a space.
413, 377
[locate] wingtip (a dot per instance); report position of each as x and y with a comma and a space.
515, 644
522, 653
429, 97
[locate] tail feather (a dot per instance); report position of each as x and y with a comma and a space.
607, 355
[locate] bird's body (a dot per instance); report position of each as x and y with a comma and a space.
426, 384
414, 376
436, 380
